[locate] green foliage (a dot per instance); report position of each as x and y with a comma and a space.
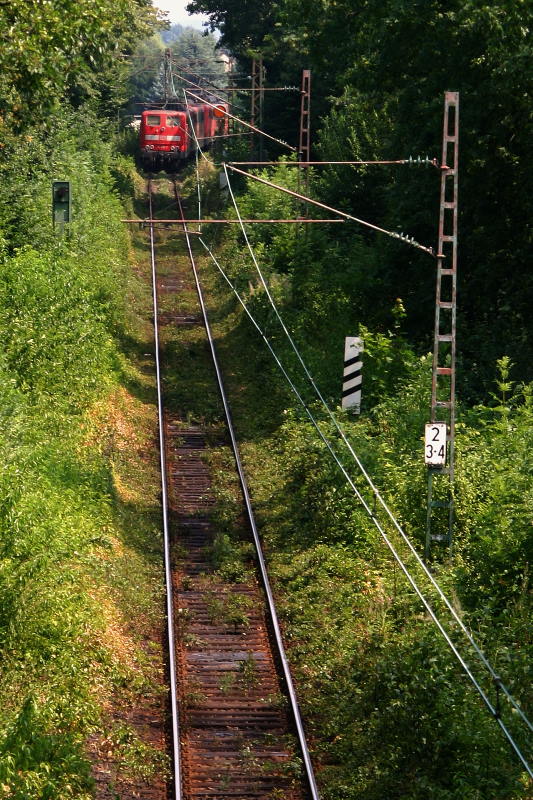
230, 608
145, 65
54, 342
377, 93
62, 312
243, 25
381, 692
37, 757
60, 299
57, 47
495, 499
195, 58
383, 698
52, 518
140, 759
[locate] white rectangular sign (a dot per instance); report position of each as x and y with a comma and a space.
435, 444
351, 383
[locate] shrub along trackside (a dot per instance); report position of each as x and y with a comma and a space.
79, 584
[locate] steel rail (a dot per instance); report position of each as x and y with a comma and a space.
259, 550
166, 535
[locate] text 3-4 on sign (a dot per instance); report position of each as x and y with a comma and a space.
435, 444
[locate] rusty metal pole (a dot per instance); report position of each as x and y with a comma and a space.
255, 101
261, 105
440, 479
304, 140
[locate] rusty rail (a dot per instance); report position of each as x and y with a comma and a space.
230, 742
313, 788
174, 714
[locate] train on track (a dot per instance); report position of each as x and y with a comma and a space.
168, 137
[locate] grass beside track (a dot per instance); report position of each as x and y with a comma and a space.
81, 602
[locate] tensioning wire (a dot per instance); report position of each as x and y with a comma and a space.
401, 236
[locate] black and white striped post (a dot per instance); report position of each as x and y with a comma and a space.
351, 383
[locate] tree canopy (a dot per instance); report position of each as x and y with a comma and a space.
379, 70
53, 48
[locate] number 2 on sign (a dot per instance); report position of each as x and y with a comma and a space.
435, 444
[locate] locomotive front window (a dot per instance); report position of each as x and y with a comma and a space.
173, 122
153, 119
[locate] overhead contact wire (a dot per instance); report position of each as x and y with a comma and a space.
166, 535
196, 149
376, 522
367, 477
197, 143
199, 86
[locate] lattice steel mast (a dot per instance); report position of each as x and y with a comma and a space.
304, 141
257, 100
440, 507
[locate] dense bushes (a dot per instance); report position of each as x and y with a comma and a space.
383, 695
62, 311
379, 70
385, 701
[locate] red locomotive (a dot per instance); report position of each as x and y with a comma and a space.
166, 138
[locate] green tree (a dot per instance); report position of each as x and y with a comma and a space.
145, 67
62, 47
194, 57
379, 73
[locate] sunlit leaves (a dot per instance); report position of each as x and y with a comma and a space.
51, 47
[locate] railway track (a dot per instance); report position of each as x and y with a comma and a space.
236, 727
